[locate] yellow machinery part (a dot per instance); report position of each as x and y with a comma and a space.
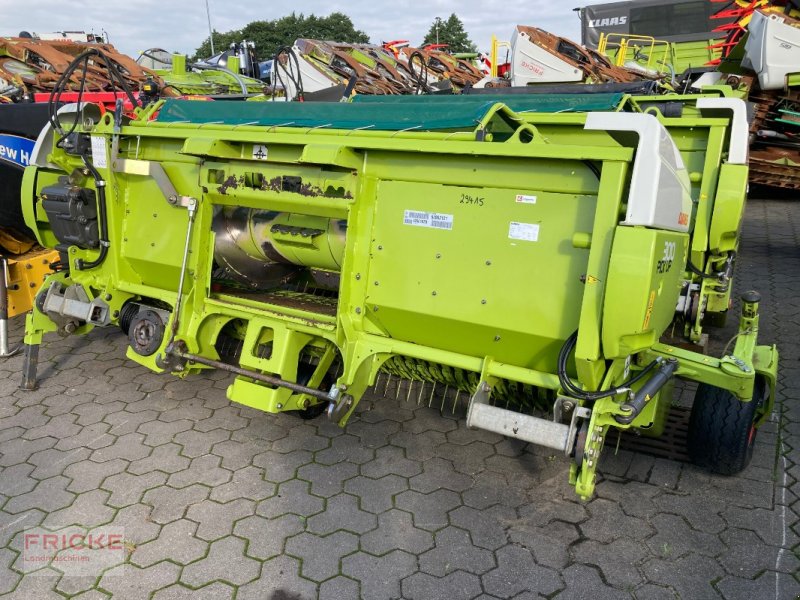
25, 274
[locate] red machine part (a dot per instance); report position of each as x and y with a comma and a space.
106, 100
738, 14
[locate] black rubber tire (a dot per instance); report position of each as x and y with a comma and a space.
312, 412
721, 431
304, 373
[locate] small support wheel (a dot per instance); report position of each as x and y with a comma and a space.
304, 373
313, 411
722, 431
580, 442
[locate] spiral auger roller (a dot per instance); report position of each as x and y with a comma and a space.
450, 389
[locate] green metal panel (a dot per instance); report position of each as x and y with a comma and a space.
493, 238
643, 288
728, 209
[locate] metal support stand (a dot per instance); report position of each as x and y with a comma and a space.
5, 352
29, 367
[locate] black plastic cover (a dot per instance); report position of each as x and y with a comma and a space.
72, 212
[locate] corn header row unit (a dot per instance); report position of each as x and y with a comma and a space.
553, 258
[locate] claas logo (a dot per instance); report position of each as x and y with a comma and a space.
608, 21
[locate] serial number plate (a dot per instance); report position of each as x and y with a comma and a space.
428, 219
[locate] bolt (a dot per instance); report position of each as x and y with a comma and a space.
358, 276
29, 266
152, 244
376, 283
115, 314
31, 284
591, 463
497, 338
488, 262
70, 327
483, 301
375, 309
438, 255
358, 310
433, 293
280, 406
380, 247
107, 297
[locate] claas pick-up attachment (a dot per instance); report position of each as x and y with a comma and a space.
541, 263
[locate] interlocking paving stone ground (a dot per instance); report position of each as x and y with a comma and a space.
221, 501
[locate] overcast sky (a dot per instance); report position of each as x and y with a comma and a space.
181, 25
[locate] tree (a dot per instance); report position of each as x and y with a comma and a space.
270, 36
450, 32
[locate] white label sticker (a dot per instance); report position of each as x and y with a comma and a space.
260, 152
523, 199
99, 151
426, 219
523, 231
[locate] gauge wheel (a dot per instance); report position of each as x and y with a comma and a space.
722, 431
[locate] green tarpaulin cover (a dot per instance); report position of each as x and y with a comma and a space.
387, 113
544, 103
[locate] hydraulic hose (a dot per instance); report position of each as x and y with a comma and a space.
571, 388
236, 76
291, 70
100, 184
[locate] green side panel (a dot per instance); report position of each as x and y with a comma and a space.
680, 56
540, 103
329, 115
728, 208
644, 282
154, 256
685, 55
496, 276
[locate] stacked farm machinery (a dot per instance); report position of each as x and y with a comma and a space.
754, 47
764, 65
